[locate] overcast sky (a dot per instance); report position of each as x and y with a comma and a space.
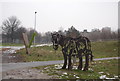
54, 14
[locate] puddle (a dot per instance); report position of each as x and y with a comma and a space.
41, 45
103, 77
11, 57
65, 73
116, 76
100, 72
75, 67
77, 77
109, 78
10, 51
58, 66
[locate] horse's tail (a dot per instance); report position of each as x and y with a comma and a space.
91, 56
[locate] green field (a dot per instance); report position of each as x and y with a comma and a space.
107, 69
105, 49
45, 53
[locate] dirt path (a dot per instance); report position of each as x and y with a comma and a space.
26, 73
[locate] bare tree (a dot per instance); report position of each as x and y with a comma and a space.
47, 37
95, 35
9, 27
30, 33
72, 32
18, 34
106, 33
38, 38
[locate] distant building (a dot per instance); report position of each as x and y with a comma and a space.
106, 29
106, 33
94, 35
85, 33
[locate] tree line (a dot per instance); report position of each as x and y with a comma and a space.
12, 33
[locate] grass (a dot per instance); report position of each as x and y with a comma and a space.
10, 44
46, 53
105, 49
109, 68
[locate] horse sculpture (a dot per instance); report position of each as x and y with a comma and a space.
78, 47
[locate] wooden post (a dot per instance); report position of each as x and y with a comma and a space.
26, 43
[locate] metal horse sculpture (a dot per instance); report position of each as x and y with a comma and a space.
78, 47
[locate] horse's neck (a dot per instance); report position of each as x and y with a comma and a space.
63, 41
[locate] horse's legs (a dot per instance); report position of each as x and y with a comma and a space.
80, 62
65, 59
86, 62
69, 60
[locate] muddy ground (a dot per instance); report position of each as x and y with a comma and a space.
26, 73
11, 58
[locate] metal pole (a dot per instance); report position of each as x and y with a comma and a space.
35, 26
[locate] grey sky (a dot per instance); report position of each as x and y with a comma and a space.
53, 14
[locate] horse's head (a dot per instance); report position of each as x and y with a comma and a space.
55, 40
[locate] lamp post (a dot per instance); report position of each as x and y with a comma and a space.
35, 26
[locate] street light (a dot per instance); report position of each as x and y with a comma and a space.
35, 22
35, 27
